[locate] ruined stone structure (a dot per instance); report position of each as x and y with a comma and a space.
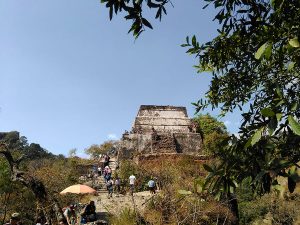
161, 129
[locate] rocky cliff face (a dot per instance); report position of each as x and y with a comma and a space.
161, 129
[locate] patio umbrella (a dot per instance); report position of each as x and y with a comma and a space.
78, 189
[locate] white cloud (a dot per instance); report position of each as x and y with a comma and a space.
112, 136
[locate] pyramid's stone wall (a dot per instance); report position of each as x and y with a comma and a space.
161, 129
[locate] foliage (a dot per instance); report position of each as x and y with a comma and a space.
134, 9
254, 62
23, 191
35, 151
214, 133
128, 168
177, 201
72, 153
209, 124
126, 216
6, 188
254, 210
55, 174
105, 148
269, 208
214, 142
167, 208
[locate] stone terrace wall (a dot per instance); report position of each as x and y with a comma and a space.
188, 143
162, 119
161, 129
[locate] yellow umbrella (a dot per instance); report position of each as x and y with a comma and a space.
78, 189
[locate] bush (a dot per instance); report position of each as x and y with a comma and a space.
269, 208
127, 217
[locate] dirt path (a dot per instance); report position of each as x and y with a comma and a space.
116, 204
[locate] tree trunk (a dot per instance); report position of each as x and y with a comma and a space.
233, 205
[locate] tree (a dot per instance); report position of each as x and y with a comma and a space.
106, 147
214, 133
255, 66
72, 152
11, 148
209, 124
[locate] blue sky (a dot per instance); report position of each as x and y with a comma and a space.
70, 78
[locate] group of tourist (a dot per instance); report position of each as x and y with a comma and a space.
151, 184
71, 215
110, 183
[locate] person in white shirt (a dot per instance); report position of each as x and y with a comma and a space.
131, 183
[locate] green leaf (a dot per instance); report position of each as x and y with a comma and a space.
194, 40
208, 168
260, 52
268, 51
111, 13
218, 196
146, 23
257, 136
184, 192
294, 43
272, 125
292, 170
278, 116
291, 66
279, 92
294, 107
280, 103
294, 125
187, 40
204, 68
259, 176
278, 187
267, 112
248, 143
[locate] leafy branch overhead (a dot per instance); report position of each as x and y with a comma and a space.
255, 66
134, 12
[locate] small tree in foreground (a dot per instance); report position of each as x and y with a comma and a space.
10, 147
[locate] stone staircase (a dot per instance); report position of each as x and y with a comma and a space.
113, 164
101, 181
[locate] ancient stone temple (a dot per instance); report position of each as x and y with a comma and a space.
161, 129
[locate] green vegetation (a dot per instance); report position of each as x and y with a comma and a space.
31, 179
178, 198
255, 67
126, 216
214, 133
182, 201
95, 150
